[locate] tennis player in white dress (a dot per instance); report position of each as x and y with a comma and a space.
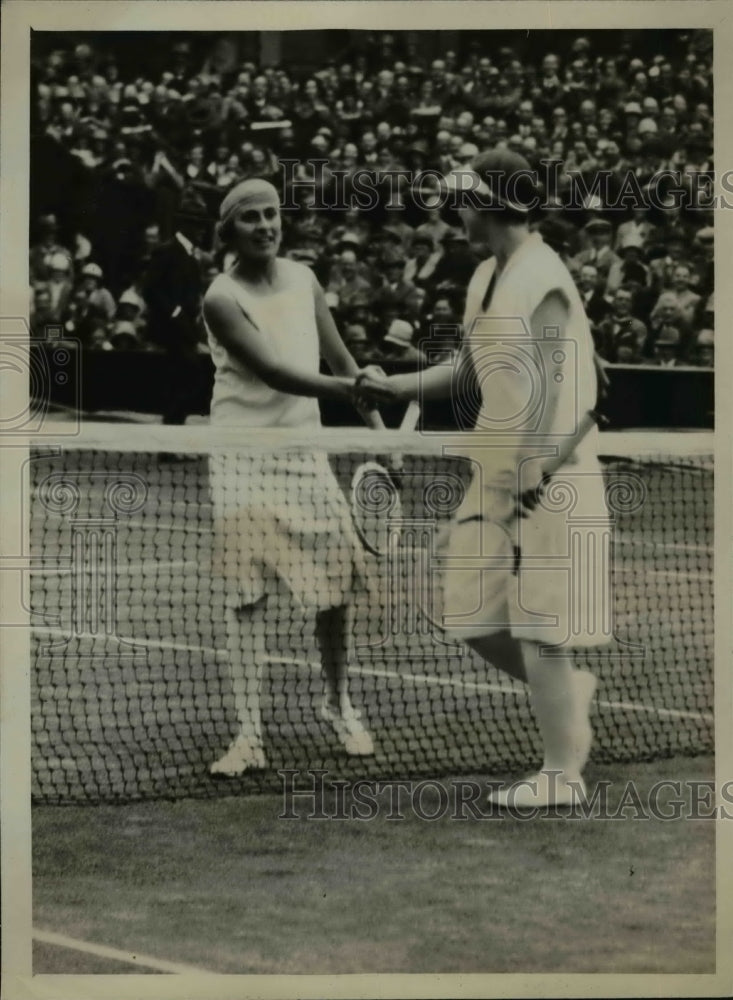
515, 620
284, 540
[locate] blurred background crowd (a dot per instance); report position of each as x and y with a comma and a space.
132, 144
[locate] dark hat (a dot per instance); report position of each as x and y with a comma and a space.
555, 234
393, 234
454, 236
598, 226
391, 258
425, 238
656, 251
506, 177
192, 206
304, 255
418, 146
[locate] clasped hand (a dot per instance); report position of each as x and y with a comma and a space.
373, 386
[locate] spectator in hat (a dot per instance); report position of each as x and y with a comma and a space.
456, 265
97, 294
59, 284
42, 313
359, 344
599, 252
124, 336
99, 341
665, 319
681, 297
442, 327
705, 349
395, 289
172, 292
345, 282
665, 350
414, 312
132, 309
620, 328
703, 259
637, 226
397, 343
663, 257
630, 267
422, 261
592, 293
46, 247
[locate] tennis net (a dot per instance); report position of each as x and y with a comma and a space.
131, 691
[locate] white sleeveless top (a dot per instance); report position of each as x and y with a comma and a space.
499, 338
288, 318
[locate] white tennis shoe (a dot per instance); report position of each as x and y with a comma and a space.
244, 754
542, 790
349, 729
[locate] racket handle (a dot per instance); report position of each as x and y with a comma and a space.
412, 416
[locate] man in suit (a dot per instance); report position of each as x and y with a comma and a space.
598, 252
172, 289
620, 336
595, 303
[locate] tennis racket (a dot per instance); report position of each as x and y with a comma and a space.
375, 494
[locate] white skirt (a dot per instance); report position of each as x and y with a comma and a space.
280, 519
560, 593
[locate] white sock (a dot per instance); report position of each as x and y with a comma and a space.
553, 696
246, 648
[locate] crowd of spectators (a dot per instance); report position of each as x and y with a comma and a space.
395, 276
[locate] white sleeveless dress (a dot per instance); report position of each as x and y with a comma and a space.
281, 520
560, 595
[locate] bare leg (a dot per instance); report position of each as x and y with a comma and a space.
333, 634
561, 698
552, 690
334, 628
246, 654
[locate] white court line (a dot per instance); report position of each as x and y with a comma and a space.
121, 568
481, 686
130, 958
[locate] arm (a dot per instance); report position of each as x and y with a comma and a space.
552, 312
423, 385
336, 354
234, 329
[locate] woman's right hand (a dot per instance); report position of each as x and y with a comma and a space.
373, 386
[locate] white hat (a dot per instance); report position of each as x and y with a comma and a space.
647, 125
59, 262
130, 298
468, 150
92, 270
400, 333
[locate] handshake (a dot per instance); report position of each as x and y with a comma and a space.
372, 385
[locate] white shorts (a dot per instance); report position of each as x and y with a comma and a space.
560, 594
